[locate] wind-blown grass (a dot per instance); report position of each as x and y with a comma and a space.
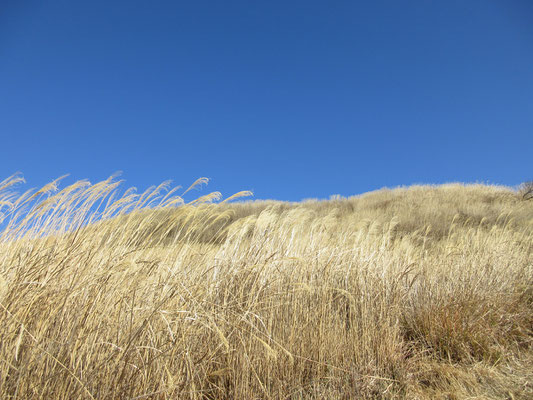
422, 292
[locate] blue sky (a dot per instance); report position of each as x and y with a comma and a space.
291, 99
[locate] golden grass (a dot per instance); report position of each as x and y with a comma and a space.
422, 293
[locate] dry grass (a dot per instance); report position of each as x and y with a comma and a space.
420, 293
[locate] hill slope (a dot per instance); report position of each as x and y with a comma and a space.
420, 292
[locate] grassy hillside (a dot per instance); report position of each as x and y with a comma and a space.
423, 292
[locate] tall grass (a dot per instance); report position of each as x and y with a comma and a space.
422, 292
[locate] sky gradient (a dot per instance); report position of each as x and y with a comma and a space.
290, 99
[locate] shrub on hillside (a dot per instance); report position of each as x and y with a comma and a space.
526, 190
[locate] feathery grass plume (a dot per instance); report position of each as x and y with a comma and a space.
11, 181
422, 292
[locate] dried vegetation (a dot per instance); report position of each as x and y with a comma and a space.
423, 292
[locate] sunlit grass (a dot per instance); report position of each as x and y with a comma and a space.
421, 292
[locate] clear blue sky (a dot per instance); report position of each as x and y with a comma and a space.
292, 99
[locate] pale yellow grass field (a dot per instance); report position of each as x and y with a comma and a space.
420, 293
